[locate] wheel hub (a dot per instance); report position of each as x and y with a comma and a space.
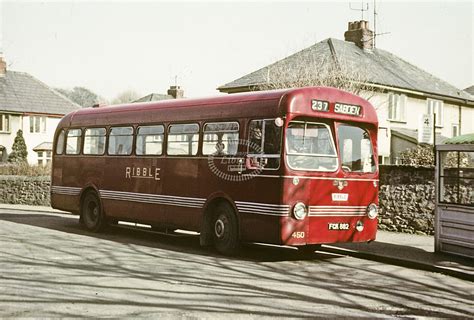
219, 228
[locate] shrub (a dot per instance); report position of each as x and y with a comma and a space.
19, 150
24, 169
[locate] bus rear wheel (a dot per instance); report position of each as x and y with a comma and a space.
91, 213
225, 230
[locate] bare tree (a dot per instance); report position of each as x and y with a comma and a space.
82, 96
126, 97
306, 69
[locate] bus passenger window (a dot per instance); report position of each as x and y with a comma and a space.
94, 141
220, 138
356, 149
60, 142
183, 139
120, 141
265, 142
73, 141
150, 140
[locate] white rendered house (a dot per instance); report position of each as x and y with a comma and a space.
403, 93
30, 105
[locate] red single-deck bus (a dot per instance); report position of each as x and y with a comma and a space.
293, 167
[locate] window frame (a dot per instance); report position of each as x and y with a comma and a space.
400, 107
34, 119
43, 159
374, 158
431, 106
459, 175
162, 142
5, 119
220, 122
63, 131
109, 134
168, 134
313, 155
262, 145
80, 144
453, 127
84, 142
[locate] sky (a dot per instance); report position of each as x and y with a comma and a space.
110, 47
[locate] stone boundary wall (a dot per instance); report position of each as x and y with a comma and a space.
406, 197
25, 190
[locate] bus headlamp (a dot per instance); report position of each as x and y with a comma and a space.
299, 211
372, 211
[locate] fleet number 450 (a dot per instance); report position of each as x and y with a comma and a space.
298, 234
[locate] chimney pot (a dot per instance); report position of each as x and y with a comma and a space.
360, 34
3, 67
176, 92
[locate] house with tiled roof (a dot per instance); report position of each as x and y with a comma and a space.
470, 90
29, 105
402, 92
174, 92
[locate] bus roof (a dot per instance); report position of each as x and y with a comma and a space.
276, 102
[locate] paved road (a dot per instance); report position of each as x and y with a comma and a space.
51, 267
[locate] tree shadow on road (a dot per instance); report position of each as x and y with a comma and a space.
180, 242
125, 272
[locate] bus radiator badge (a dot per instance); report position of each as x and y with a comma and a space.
340, 184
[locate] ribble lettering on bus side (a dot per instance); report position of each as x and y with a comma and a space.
142, 172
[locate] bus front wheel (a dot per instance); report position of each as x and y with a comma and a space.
225, 230
92, 214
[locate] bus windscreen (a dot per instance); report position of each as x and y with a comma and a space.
310, 146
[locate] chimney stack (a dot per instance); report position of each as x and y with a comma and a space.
3, 67
359, 33
176, 92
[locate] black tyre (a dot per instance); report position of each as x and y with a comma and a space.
309, 249
91, 213
225, 230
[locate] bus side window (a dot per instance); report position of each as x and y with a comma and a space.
60, 142
94, 141
220, 138
265, 143
183, 139
73, 141
120, 141
150, 140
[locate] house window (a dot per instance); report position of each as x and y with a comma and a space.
455, 129
396, 106
436, 107
37, 124
44, 157
4, 123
